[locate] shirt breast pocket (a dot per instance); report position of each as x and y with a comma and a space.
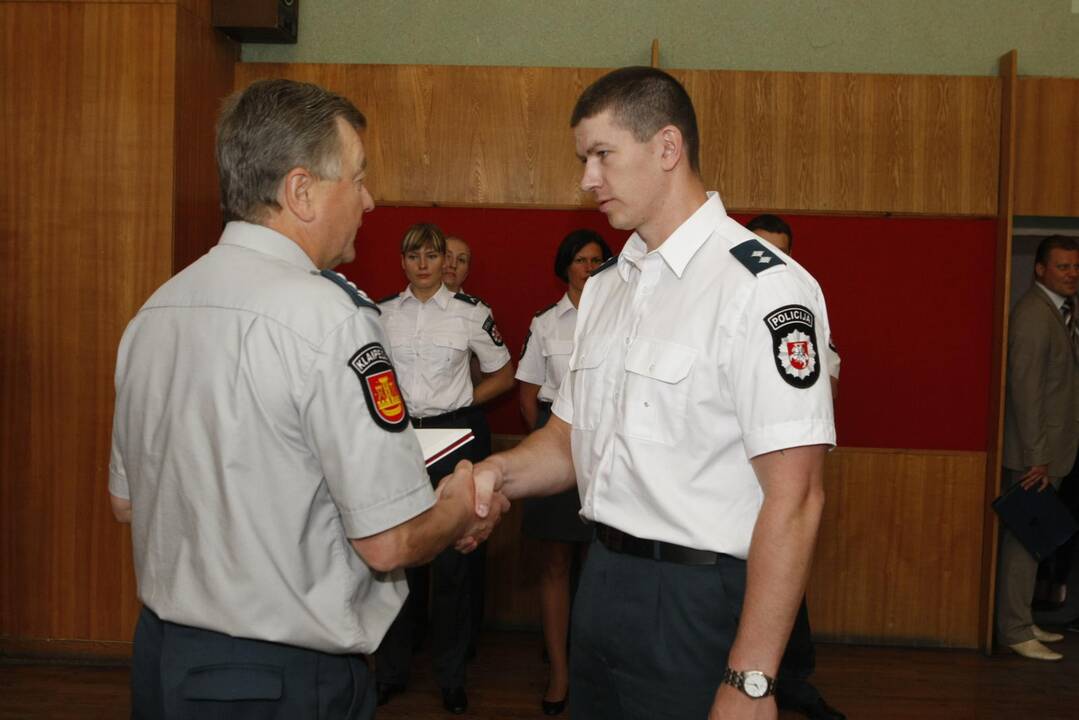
588, 381
657, 390
448, 351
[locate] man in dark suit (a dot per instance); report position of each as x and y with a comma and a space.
1041, 424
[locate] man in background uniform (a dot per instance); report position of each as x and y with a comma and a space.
261, 448
693, 422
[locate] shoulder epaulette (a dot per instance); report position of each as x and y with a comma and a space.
610, 261
755, 256
552, 306
357, 295
470, 299
388, 298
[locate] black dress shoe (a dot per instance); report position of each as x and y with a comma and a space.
821, 710
385, 691
455, 700
553, 708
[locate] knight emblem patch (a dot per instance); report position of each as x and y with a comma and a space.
372, 366
794, 339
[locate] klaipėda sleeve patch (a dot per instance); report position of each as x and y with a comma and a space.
524, 345
491, 329
794, 341
372, 366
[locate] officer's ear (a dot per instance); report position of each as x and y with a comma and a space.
671, 147
298, 190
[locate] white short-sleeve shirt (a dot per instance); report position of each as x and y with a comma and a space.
251, 451
547, 348
430, 343
689, 361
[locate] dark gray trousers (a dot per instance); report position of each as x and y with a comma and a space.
650, 639
180, 672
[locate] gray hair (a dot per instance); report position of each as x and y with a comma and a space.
268, 129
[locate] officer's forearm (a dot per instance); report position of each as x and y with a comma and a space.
529, 393
780, 554
541, 464
493, 384
420, 539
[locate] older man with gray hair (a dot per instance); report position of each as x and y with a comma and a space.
261, 448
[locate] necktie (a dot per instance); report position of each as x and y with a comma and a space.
1069, 321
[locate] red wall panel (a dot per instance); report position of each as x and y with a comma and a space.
910, 301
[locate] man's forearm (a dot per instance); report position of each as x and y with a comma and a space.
780, 557
541, 464
493, 384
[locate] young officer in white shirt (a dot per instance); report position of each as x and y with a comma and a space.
694, 423
432, 333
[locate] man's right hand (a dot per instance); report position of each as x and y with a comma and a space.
479, 528
1035, 477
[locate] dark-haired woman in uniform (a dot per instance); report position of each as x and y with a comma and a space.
432, 332
554, 521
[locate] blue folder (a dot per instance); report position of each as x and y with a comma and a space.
1038, 519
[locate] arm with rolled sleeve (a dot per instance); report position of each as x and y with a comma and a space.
493, 356
787, 430
375, 475
532, 373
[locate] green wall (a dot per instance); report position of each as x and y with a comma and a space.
952, 37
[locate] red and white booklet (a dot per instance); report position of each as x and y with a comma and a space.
437, 443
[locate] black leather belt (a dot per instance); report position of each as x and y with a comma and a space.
460, 416
617, 541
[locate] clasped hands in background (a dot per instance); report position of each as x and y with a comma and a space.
485, 500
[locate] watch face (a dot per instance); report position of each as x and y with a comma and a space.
755, 684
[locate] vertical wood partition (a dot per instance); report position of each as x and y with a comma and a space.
89, 101
1001, 293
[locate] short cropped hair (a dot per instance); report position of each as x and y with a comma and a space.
269, 128
1054, 242
772, 224
421, 235
643, 100
573, 244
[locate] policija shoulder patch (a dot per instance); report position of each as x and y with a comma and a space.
373, 367
794, 338
491, 329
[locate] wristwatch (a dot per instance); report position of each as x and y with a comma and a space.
753, 683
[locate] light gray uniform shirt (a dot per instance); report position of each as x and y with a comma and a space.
255, 431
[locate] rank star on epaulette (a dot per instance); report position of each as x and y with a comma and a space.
372, 366
755, 256
793, 331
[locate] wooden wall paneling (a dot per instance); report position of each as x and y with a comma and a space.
821, 142
899, 553
458, 135
205, 60
86, 231
1047, 147
999, 348
831, 142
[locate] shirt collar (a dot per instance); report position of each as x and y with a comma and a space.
441, 297
1055, 298
678, 249
264, 240
564, 305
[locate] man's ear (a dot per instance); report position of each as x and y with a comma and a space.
298, 189
670, 139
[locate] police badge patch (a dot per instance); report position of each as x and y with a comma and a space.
372, 366
795, 341
491, 329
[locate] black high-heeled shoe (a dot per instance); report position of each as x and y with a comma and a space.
554, 708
